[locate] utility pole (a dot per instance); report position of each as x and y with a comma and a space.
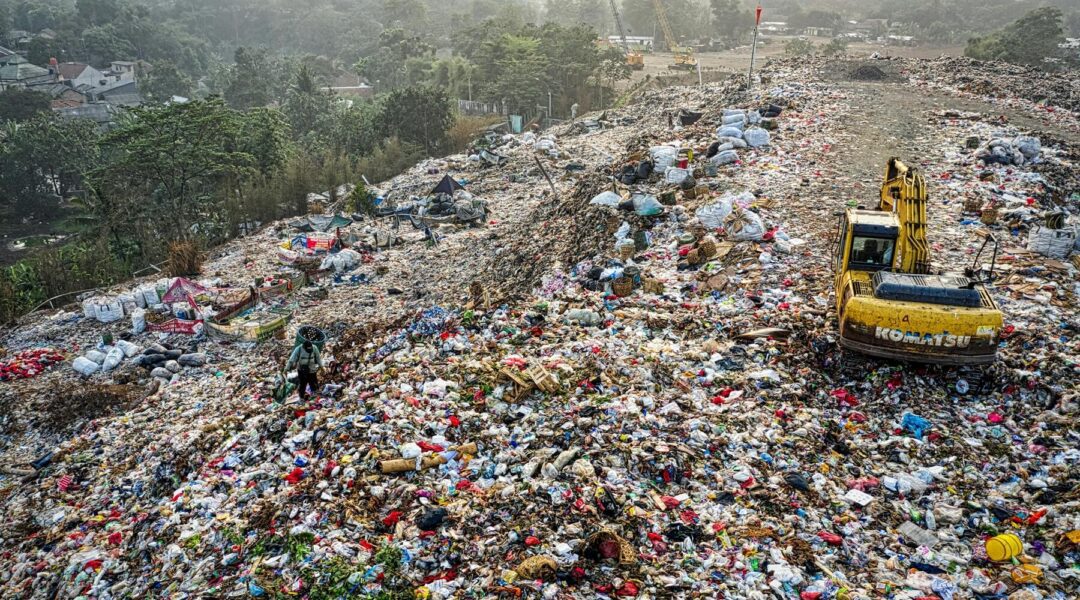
753, 47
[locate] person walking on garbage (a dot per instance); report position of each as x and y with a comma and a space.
307, 359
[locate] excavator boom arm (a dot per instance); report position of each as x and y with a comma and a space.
904, 193
619, 25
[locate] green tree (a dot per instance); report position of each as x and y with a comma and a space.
1030, 40
392, 64
835, 47
352, 128
99, 12
612, 68
594, 13
307, 106
42, 49
417, 115
18, 104
731, 21
7, 17
103, 44
454, 74
799, 47
512, 69
250, 82
1072, 23
164, 81
45, 159
171, 170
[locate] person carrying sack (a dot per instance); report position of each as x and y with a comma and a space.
307, 359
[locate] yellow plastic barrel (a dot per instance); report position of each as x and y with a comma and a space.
1004, 547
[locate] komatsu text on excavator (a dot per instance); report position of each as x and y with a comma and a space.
889, 303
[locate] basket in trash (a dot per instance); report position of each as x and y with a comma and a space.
310, 333
623, 286
653, 286
989, 216
972, 205
707, 248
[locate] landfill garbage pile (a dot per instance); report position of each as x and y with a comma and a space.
625, 384
1006, 82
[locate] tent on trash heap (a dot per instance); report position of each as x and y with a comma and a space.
183, 290
448, 185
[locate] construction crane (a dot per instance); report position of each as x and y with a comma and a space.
684, 56
635, 60
887, 301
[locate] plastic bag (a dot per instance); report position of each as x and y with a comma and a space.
756, 137
734, 120
662, 156
676, 175
85, 366
729, 132
747, 227
725, 158
138, 320
97, 357
647, 205
1053, 243
713, 215
127, 348
915, 424
1028, 146
112, 359
623, 231
607, 198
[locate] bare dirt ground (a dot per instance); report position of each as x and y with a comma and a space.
737, 60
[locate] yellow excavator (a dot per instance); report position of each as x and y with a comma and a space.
684, 55
889, 303
635, 60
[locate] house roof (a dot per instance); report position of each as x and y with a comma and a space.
99, 113
125, 99
115, 87
72, 70
55, 89
20, 70
6, 52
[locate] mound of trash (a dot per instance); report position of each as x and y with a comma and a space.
610, 370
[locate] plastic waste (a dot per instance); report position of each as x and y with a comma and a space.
647, 205
138, 321
676, 175
85, 366
729, 132
724, 157
712, 215
607, 198
748, 226
113, 358
915, 424
756, 137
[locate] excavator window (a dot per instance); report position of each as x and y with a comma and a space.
871, 253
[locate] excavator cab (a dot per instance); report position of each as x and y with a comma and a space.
888, 302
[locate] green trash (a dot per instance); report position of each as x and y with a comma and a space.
310, 333
283, 388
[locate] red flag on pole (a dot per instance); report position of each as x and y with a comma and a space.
757, 18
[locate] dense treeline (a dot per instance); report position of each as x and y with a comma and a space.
264, 128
